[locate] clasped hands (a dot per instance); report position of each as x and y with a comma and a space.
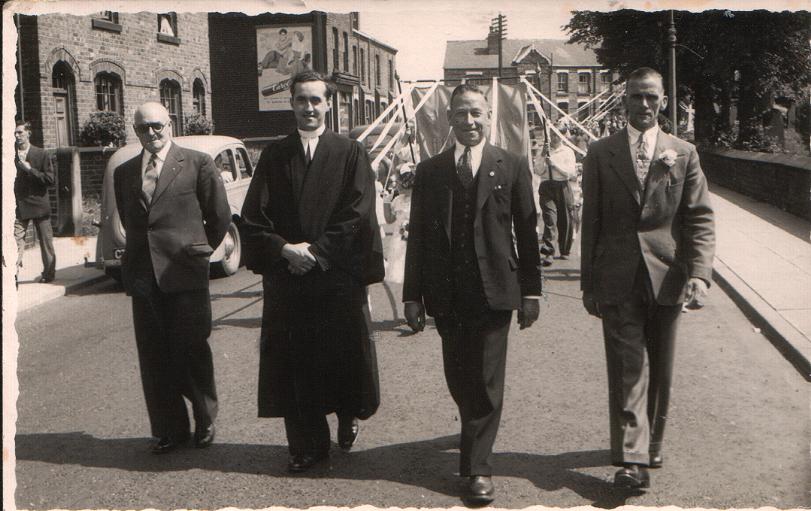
299, 258
527, 314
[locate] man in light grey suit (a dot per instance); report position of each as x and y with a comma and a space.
647, 247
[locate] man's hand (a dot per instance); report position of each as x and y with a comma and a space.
415, 315
300, 259
26, 165
591, 304
696, 291
528, 312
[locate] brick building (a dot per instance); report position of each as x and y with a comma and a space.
71, 66
567, 74
363, 68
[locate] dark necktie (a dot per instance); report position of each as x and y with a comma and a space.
464, 168
150, 181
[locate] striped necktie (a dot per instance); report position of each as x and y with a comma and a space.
150, 181
642, 161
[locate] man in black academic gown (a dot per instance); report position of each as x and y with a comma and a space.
311, 231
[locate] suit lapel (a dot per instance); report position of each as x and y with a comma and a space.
171, 168
658, 170
488, 173
624, 165
297, 167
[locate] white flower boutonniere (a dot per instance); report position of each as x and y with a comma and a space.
668, 157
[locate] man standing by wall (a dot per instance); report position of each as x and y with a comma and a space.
311, 230
173, 205
34, 175
648, 245
463, 269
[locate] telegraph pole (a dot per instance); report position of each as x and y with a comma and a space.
674, 111
498, 25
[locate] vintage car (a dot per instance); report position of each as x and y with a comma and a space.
229, 155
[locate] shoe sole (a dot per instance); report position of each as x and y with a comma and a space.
630, 483
481, 500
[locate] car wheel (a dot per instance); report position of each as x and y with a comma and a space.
232, 253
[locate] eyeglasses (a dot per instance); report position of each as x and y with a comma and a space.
157, 127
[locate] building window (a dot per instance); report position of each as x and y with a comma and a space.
605, 80
108, 93
563, 83
199, 97
362, 66
584, 113
563, 105
335, 57
357, 115
106, 20
354, 60
377, 70
584, 83
167, 28
64, 95
391, 76
346, 52
171, 99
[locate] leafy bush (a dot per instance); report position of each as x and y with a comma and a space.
104, 129
197, 124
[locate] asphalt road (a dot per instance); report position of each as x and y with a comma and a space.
738, 435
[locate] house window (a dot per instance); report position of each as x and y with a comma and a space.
584, 83
563, 82
335, 58
346, 52
605, 81
171, 99
167, 28
199, 97
354, 60
583, 111
362, 66
108, 93
391, 75
357, 115
106, 20
563, 105
377, 70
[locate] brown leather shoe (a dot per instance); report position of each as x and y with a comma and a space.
632, 477
480, 491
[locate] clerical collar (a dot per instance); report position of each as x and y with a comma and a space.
312, 134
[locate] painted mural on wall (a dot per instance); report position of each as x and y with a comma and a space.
282, 51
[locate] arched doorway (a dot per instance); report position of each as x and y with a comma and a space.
64, 94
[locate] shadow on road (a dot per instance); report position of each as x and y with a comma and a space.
429, 464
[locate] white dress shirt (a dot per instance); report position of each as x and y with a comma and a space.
159, 160
563, 164
650, 140
475, 155
310, 138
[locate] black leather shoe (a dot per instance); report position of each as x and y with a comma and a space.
168, 444
302, 462
45, 279
203, 437
348, 430
480, 491
632, 477
656, 460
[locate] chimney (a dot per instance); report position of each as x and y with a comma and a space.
354, 18
492, 42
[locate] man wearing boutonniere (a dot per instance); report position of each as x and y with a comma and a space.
648, 240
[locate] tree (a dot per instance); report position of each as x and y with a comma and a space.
721, 56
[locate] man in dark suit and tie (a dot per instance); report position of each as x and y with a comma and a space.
173, 206
463, 269
34, 175
310, 230
647, 247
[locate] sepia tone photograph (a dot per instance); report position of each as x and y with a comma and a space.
406, 254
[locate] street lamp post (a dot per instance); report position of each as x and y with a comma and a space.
671, 38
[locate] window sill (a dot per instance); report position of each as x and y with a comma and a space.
169, 39
106, 25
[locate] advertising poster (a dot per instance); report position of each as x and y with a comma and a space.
282, 51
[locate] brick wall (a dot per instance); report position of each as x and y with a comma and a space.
135, 54
781, 180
